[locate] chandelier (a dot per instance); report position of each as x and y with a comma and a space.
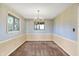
37, 17
38, 14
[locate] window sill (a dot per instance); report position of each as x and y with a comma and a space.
10, 32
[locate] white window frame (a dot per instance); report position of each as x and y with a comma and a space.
13, 30
37, 25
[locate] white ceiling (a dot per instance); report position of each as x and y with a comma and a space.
47, 10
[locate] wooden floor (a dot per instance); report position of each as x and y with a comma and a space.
38, 48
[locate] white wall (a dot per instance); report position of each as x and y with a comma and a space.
3, 23
64, 23
9, 42
30, 27
63, 26
38, 35
78, 31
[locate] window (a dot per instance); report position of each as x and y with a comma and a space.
13, 23
39, 25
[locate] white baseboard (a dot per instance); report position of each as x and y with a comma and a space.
10, 45
31, 37
66, 44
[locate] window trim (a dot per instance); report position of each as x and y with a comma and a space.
38, 23
9, 14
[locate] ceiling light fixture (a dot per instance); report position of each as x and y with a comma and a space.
38, 18
38, 14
